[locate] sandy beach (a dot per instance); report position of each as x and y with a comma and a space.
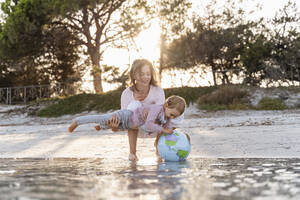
222, 134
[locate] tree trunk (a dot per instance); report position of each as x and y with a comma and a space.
214, 75
97, 79
161, 59
96, 70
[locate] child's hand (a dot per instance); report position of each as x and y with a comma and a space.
168, 131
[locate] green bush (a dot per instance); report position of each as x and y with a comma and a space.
212, 107
190, 94
107, 101
225, 97
267, 103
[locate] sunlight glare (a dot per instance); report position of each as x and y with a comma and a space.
146, 45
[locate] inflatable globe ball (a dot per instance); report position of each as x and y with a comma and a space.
174, 147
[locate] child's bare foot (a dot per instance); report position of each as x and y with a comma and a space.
98, 128
72, 127
159, 159
132, 157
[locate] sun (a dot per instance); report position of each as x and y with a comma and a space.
145, 45
148, 43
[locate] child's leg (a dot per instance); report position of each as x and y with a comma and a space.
113, 123
83, 120
123, 115
88, 119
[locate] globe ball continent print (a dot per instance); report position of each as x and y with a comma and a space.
174, 147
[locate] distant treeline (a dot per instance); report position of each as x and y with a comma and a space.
53, 41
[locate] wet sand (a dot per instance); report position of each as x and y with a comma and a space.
195, 179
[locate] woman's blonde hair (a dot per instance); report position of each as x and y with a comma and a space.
137, 66
176, 102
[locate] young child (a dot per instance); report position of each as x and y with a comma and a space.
158, 118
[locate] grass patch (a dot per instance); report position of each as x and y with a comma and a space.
207, 98
298, 104
225, 98
212, 107
82, 102
267, 103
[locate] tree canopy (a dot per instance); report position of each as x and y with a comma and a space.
50, 41
228, 43
33, 48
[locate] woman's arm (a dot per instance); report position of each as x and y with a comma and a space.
113, 123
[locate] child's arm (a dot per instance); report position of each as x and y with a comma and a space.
168, 127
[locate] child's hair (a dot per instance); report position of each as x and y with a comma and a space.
176, 102
136, 67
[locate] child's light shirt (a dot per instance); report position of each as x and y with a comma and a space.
133, 105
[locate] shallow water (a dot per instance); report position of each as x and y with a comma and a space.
197, 178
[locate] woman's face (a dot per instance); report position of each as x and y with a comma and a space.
143, 77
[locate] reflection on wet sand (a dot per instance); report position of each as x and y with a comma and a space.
96, 178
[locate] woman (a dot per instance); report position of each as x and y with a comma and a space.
144, 90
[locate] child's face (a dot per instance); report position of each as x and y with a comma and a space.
171, 113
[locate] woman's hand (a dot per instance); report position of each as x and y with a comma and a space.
113, 123
145, 114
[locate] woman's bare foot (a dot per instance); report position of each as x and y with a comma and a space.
132, 157
72, 127
98, 128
